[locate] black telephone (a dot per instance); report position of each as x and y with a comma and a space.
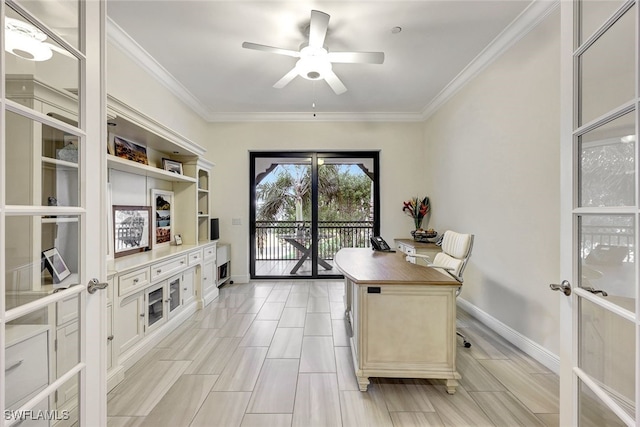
378, 244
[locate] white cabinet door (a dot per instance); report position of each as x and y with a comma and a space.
188, 286
130, 322
209, 288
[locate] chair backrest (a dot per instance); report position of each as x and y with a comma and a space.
456, 250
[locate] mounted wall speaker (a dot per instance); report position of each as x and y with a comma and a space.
215, 229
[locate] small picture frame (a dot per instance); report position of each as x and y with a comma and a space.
172, 166
130, 151
55, 264
178, 239
163, 220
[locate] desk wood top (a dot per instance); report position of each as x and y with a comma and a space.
363, 266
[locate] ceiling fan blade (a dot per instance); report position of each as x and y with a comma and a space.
286, 79
357, 57
318, 28
271, 49
335, 83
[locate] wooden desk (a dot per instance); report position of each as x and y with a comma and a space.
402, 315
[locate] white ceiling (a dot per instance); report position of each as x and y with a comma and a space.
196, 48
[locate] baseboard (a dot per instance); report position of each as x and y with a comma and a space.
533, 349
240, 279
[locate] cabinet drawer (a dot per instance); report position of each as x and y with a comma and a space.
195, 257
168, 267
129, 282
26, 368
406, 249
210, 252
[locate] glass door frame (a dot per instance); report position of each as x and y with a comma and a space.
313, 156
572, 129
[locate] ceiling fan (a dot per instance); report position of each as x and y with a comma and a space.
315, 59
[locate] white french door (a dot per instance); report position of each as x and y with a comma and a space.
52, 227
600, 213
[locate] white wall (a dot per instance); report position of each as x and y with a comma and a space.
402, 172
493, 156
132, 85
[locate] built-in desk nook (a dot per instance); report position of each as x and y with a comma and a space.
402, 316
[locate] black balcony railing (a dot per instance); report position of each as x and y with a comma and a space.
272, 238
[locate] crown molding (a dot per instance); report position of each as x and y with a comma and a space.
120, 39
528, 19
308, 116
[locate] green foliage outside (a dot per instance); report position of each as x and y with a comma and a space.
344, 194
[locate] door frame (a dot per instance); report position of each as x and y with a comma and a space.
90, 369
569, 320
314, 155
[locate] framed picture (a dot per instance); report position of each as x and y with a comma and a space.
172, 166
55, 264
162, 203
131, 229
130, 151
178, 239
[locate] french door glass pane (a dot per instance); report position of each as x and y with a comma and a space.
607, 257
41, 347
42, 162
41, 256
607, 70
283, 216
49, 85
607, 164
607, 349
593, 413
345, 207
61, 16
594, 13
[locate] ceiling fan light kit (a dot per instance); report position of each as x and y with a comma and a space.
315, 61
25, 41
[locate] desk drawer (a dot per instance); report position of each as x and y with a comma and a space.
26, 367
130, 282
210, 252
166, 268
195, 257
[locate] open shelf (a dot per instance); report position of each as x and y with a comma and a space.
124, 165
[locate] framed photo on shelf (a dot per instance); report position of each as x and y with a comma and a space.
172, 166
130, 150
178, 240
162, 203
55, 265
131, 229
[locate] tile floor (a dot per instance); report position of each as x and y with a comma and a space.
276, 353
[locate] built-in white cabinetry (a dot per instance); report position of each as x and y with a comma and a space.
157, 289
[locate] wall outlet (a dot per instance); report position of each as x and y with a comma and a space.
236, 221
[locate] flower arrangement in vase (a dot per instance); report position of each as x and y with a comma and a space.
417, 209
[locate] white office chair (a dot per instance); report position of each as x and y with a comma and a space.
456, 250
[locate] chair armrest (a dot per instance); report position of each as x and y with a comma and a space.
421, 256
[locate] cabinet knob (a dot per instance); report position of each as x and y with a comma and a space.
159, 271
110, 338
182, 262
136, 280
141, 314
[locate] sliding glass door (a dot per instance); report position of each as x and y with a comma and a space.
306, 206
